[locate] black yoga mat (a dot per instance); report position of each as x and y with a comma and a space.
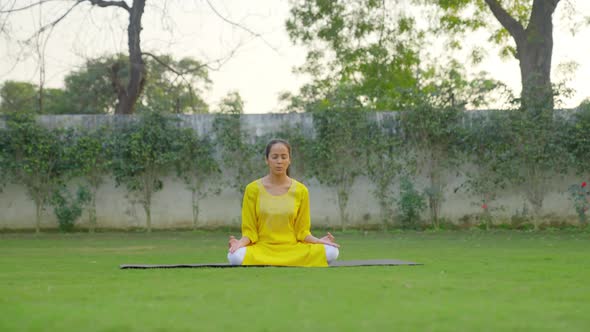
370, 262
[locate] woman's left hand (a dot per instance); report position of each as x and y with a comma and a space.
234, 244
329, 240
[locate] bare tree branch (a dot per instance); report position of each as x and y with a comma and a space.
513, 26
103, 3
257, 35
54, 23
12, 10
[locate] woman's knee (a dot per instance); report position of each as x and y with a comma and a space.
237, 258
331, 253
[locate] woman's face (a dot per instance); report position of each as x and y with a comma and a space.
278, 159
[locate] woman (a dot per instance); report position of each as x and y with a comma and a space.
276, 221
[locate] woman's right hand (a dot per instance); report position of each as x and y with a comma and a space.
234, 244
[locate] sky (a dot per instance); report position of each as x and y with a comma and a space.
260, 68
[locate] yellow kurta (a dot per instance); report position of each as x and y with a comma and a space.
277, 225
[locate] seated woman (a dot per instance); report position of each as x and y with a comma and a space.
276, 221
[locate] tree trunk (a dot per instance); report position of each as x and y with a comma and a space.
195, 203
534, 54
148, 216
128, 96
39, 207
92, 212
147, 203
534, 48
342, 202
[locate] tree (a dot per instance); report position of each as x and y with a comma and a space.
376, 50
487, 145
172, 86
22, 97
128, 94
362, 45
538, 154
579, 140
3, 159
128, 90
197, 167
34, 158
18, 97
145, 151
338, 152
241, 154
175, 86
383, 149
92, 156
432, 130
529, 23
232, 103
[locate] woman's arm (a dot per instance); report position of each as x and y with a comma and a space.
235, 244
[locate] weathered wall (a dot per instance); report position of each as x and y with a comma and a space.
172, 207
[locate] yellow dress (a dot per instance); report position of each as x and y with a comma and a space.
276, 226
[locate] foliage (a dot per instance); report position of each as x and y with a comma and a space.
384, 151
578, 140
23, 97
459, 17
18, 97
92, 154
90, 89
524, 32
242, 156
433, 133
197, 167
232, 103
579, 196
4, 157
367, 46
34, 158
67, 208
176, 92
538, 153
337, 151
145, 151
410, 205
487, 146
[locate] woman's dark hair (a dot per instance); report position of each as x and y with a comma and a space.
277, 141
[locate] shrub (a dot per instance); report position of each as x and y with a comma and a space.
410, 204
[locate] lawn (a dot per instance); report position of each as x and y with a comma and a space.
470, 281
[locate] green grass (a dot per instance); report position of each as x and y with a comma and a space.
471, 281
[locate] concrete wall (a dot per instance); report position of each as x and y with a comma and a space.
172, 206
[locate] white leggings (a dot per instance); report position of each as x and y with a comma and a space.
238, 257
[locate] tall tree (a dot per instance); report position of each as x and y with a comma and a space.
529, 23
376, 50
127, 91
127, 94
366, 46
173, 86
33, 157
22, 97
18, 97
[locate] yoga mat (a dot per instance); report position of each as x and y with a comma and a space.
370, 262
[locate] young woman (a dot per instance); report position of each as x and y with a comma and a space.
276, 221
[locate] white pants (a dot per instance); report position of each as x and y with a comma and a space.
238, 256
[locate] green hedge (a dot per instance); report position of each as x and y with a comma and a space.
502, 148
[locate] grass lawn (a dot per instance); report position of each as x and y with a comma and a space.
471, 281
